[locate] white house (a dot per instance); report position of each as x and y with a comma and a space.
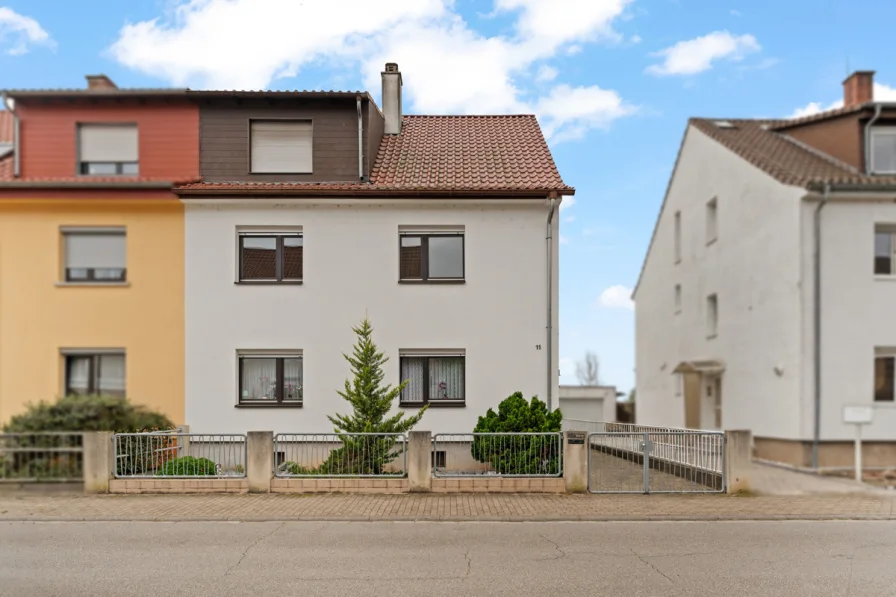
767, 300
441, 229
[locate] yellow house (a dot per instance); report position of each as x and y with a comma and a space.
92, 246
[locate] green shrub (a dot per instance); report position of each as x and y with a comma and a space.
87, 413
188, 466
522, 454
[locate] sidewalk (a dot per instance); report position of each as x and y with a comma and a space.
462, 507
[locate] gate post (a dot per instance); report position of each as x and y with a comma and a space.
575, 461
738, 457
419, 458
98, 460
646, 446
260, 460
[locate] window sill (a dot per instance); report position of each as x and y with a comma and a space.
886, 404
885, 278
268, 283
677, 312
439, 404
93, 284
454, 281
711, 241
711, 336
273, 405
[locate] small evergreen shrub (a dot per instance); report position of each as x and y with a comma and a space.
188, 466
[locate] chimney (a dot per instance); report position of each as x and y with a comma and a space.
858, 88
100, 83
392, 99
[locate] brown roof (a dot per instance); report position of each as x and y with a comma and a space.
783, 157
442, 154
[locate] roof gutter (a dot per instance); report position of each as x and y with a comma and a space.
816, 312
877, 110
48, 184
16, 132
409, 193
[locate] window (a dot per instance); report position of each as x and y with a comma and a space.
271, 257
270, 380
883, 150
439, 458
95, 255
712, 315
89, 373
678, 298
712, 220
433, 379
885, 375
885, 250
280, 146
108, 150
431, 256
677, 236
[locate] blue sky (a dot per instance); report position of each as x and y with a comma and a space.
612, 81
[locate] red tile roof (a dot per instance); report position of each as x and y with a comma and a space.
442, 154
783, 157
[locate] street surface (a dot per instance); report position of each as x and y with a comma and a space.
781, 559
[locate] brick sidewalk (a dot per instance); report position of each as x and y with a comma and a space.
462, 507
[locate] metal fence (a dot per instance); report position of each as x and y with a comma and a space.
41, 457
671, 461
499, 454
340, 455
177, 455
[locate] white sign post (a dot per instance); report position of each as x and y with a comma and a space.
858, 416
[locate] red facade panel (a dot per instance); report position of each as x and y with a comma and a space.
168, 137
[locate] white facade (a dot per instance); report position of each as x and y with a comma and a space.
760, 269
497, 317
588, 403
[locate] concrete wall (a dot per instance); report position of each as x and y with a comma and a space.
753, 267
351, 269
588, 403
39, 316
858, 314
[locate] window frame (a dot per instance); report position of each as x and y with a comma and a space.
712, 315
884, 354
94, 370
278, 235
677, 233
677, 298
280, 401
883, 131
712, 220
82, 166
424, 237
890, 230
91, 277
426, 399
249, 169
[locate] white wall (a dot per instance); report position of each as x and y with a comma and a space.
588, 403
351, 268
753, 267
858, 314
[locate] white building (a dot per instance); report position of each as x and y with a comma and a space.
726, 328
448, 243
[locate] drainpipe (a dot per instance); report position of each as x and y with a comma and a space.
877, 110
549, 237
360, 141
16, 133
816, 291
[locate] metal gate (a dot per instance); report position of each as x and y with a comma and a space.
656, 462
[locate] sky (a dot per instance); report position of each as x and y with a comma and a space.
612, 82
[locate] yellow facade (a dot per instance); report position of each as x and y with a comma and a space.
40, 316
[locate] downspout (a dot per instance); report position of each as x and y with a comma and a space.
549, 237
16, 135
816, 291
877, 110
360, 141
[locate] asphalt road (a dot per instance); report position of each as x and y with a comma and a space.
780, 559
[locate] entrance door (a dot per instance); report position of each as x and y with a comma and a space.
711, 407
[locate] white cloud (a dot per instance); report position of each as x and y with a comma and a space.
20, 32
882, 93
736, 13
635, 39
567, 202
564, 240
447, 66
616, 297
546, 73
697, 55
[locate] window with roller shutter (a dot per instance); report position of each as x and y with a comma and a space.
280, 146
108, 150
95, 255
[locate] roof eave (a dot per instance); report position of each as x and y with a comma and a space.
300, 192
49, 184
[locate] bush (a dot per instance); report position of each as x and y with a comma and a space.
520, 455
87, 413
188, 466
